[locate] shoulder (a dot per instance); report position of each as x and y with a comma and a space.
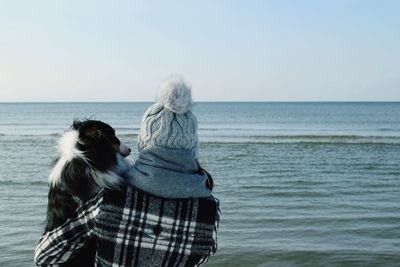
134, 202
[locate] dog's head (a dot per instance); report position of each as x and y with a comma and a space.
99, 144
90, 157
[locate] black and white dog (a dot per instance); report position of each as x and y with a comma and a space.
90, 158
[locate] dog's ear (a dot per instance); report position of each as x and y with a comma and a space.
91, 131
97, 134
76, 124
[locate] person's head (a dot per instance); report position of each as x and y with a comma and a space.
169, 123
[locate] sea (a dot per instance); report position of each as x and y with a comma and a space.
300, 184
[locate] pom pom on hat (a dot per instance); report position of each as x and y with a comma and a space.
175, 95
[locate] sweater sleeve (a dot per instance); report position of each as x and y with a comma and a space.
57, 246
214, 247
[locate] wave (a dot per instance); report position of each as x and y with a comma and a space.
387, 129
32, 135
333, 136
256, 139
274, 253
261, 128
57, 135
126, 128
295, 142
24, 183
303, 139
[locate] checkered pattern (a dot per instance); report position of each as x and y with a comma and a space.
133, 228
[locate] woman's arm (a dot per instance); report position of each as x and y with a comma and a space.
57, 246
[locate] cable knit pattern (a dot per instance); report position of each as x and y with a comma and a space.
165, 128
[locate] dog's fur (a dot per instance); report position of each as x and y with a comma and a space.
90, 158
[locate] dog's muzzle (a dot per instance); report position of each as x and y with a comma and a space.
124, 150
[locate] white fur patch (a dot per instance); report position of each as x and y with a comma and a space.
55, 174
113, 178
67, 145
68, 151
108, 179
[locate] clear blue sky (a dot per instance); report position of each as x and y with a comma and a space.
229, 50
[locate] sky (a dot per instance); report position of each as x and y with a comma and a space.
94, 50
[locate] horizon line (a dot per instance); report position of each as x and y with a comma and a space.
207, 101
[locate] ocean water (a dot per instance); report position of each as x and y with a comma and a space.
300, 184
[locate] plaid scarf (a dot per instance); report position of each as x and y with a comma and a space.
133, 228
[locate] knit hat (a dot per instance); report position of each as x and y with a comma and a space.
169, 123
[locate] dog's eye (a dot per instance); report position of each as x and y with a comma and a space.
116, 140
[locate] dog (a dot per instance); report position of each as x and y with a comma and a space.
91, 158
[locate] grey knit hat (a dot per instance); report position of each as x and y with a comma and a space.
169, 122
